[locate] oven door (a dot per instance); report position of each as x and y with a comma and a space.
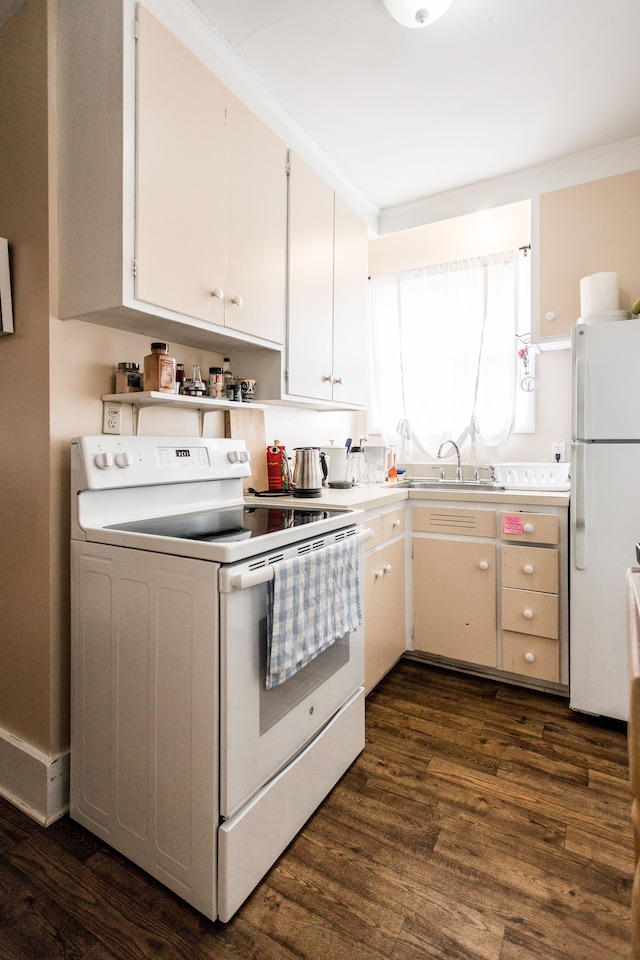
263, 730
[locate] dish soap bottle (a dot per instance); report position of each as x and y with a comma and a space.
160, 369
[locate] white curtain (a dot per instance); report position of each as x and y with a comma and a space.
444, 356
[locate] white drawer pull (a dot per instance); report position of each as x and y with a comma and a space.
527, 614
528, 568
483, 565
529, 657
396, 522
528, 528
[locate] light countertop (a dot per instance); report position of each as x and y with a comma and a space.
376, 496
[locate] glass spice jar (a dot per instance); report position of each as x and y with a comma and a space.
128, 378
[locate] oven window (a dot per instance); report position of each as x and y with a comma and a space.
277, 702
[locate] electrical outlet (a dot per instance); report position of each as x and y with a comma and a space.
557, 451
111, 417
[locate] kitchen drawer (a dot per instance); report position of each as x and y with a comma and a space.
529, 527
530, 568
454, 520
531, 656
393, 523
526, 611
375, 525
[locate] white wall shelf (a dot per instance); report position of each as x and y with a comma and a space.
152, 398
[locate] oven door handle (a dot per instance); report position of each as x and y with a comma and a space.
242, 581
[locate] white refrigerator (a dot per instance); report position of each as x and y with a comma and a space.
604, 510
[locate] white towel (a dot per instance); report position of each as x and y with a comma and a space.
315, 599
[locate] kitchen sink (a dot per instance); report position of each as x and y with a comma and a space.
418, 483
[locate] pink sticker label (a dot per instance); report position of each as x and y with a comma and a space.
512, 523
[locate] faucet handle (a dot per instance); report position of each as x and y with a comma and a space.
492, 472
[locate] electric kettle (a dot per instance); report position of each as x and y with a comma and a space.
309, 471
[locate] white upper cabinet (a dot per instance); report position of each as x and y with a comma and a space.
173, 195
326, 336
180, 195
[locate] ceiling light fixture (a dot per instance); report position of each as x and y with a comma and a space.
413, 13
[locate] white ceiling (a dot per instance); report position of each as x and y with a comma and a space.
493, 87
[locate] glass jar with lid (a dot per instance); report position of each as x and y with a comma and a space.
128, 378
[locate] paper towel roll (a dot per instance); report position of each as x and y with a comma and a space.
599, 294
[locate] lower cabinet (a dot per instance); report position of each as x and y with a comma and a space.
490, 588
384, 595
454, 599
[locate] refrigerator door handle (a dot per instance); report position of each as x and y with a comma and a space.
578, 383
579, 494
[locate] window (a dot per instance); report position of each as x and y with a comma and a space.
447, 359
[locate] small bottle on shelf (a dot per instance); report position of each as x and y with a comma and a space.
216, 383
180, 377
160, 369
229, 379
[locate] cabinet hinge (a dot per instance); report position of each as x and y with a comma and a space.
134, 268
136, 29
287, 167
286, 377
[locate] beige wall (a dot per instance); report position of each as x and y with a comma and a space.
26, 707
487, 231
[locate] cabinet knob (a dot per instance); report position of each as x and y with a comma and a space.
528, 528
337, 380
527, 614
327, 379
483, 565
387, 568
529, 657
218, 293
528, 568
396, 522
379, 574
237, 300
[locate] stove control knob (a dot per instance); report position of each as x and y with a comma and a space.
123, 459
103, 460
232, 456
243, 456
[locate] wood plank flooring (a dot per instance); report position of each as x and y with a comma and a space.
481, 822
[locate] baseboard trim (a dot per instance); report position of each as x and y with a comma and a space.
34, 782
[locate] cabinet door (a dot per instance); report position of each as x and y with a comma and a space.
454, 599
179, 182
256, 226
349, 306
585, 229
310, 320
384, 600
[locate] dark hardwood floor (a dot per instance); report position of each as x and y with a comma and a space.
482, 822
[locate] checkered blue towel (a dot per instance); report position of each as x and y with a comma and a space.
314, 599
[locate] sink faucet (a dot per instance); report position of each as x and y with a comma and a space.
455, 447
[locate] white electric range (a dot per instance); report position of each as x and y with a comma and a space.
181, 757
